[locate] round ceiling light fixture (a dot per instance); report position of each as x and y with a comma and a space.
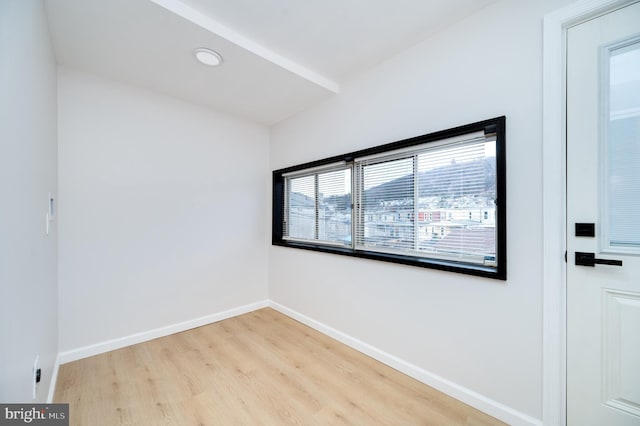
208, 57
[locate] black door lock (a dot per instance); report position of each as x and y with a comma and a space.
585, 229
589, 259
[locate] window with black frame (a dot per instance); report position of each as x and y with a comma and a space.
436, 201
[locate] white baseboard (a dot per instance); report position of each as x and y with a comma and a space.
132, 339
474, 399
54, 380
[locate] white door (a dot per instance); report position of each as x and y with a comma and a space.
603, 189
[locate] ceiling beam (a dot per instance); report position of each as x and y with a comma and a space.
208, 23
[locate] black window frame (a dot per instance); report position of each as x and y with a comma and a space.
495, 126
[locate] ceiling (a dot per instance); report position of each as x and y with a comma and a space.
280, 56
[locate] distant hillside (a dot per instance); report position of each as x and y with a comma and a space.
450, 181
453, 180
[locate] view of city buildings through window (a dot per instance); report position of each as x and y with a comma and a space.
437, 202
331, 220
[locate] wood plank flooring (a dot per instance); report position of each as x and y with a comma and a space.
261, 368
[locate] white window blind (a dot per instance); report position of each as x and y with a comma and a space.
621, 232
387, 205
300, 220
318, 207
432, 202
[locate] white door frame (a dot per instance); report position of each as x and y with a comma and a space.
554, 365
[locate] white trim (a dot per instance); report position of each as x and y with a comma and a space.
553, 224
54, 380
198, 18
554, 201
132, 339
474, 399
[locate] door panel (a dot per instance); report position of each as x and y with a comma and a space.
621, 353
603, 187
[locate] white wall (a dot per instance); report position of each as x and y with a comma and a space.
162, 211
481, 334
28, 164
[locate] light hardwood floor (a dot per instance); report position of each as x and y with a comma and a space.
261, 368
